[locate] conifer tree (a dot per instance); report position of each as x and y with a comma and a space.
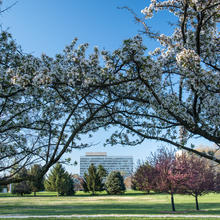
102, 174
93, 180
38, 185
101, 171
59, 181
114, 183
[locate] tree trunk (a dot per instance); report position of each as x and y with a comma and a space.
34, 193
197, 204
172, 202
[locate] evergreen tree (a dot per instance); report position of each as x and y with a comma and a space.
84, 184
102, 174
101, 171
36, 185
92, 180
59, 181
114, 183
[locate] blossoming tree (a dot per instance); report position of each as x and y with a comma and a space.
175, 87
47, 104
193, 175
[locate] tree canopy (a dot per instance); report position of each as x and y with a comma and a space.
173, 93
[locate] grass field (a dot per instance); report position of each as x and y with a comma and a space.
112, 218
83, 204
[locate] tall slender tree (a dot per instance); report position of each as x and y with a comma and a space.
92, 180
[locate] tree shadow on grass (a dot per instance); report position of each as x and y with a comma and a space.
133, 193
117, 208
101, 194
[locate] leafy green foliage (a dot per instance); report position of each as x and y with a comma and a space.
59, 181
114, 183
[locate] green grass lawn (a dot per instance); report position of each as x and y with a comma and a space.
132, 202
112, 218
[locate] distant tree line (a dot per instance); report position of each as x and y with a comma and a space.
184, 173
60, 181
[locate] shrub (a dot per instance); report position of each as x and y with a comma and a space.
23, 187
114, 183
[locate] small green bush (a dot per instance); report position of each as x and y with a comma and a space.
21, 188
114, 183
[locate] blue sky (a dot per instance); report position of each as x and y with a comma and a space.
47, 26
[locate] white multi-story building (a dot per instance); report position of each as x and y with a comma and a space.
124, 164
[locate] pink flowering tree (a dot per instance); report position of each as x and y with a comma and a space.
144, 178
163, 161
194, 175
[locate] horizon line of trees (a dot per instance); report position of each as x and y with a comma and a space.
60, 181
